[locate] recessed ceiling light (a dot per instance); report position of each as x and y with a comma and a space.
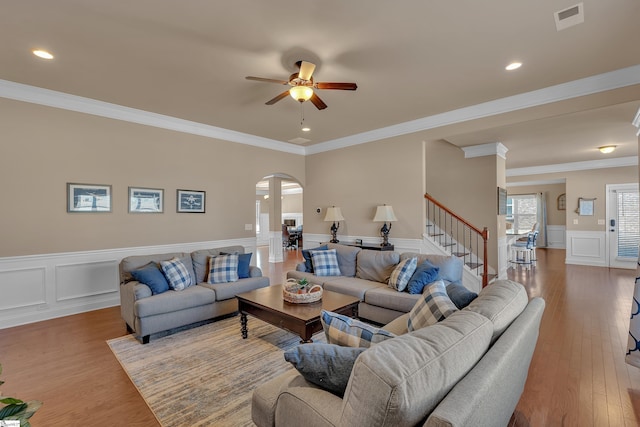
42, 54
606, 149
513, 66
306, 129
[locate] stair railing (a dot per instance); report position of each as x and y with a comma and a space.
458, 236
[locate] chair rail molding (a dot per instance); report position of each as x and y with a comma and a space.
46, 286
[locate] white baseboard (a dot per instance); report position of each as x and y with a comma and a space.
46, 286
586, 248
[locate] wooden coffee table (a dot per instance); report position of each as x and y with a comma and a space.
301, 319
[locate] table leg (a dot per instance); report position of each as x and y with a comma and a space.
243, 323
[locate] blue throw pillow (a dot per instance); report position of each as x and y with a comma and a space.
151, 276
425, 273
244, 261
326, 365
306, 253
460, 295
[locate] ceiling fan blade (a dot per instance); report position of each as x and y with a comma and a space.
319, 103
262, 79
338, 86
306, 70
278, 98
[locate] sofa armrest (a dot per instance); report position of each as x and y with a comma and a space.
300, 406
130, 292
254, 271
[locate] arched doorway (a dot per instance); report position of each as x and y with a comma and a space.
278, 205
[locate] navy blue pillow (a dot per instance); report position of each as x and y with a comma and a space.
460, 295
243, 265
151, 276
425, 273
308, 264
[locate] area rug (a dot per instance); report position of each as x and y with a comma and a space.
205, 376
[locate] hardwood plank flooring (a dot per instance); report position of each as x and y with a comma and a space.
577, 377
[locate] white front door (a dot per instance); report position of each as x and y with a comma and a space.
623, 225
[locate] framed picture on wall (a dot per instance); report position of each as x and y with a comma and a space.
585, 206
146, 200
88, 198
191, 201
502, 201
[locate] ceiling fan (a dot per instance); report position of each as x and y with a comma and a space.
302, 86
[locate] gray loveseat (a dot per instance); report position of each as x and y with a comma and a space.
467, 370
146, 314
365, 274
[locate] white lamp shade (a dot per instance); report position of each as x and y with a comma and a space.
333, 214
301, 93
384, 214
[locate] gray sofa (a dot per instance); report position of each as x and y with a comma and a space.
467, 370
365, 274
146, 314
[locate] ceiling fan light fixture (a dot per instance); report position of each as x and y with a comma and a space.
606, 149
42, 54
513, 66
301, 93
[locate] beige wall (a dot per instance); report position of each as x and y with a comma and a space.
359, 178
588, 184
42, 149
292, 203
551, 193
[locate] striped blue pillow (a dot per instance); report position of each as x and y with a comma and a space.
223, 269
348, 332
325, 263
177, 274
402, 273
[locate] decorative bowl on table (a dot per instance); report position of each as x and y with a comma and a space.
301, 291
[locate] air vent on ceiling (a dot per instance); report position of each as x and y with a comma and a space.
569, 17
299, 140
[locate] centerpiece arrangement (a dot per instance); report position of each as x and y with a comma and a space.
301, 291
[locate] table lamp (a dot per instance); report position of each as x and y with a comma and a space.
334, 214
385, 214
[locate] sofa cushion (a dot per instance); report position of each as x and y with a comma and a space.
306, 254
343, 330
433, 307
347, 256
402, 273
170, 301
325, 263
460, 295
353, 286
325, 365
200, 259
376, 265
400, 381
177, 273
151, 276
450, 268
501, 302
391, 299
425, 273
225, 291
223, 269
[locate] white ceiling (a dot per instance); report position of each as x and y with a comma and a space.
413, 60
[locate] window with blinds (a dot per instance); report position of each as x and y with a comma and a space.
628, 223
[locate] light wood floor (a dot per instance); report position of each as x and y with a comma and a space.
577, 378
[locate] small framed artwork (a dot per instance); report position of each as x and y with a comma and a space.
585, 206
146, 200
562, 202
88, 198
502, 201
191, 201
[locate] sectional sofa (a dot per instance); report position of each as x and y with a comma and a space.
147, 313
365, 273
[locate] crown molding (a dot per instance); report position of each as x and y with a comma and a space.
587, 86
490, 149
575, 166
65, 101
538, 182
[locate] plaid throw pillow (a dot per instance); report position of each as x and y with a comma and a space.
223, 269
325, 263
402, 273
176, 273
433, 307
348, 332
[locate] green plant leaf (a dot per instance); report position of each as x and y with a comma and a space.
10, 400
12, 410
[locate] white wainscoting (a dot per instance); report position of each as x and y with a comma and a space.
503, 257
556, 235
41, 287
586, 248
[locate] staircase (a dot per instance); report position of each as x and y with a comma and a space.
456, 236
